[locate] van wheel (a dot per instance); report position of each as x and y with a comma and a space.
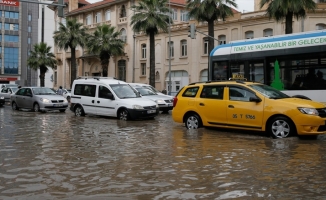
14, 106
123, 115
192, 121
36, 107
280, 127
79, 111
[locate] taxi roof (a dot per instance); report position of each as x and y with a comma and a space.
244, 82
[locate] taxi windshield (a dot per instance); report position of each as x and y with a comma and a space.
268, 91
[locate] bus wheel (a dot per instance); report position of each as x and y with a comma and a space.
280, 127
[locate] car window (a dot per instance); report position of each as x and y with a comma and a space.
85, 90
4, 90
21, 91
190, 92
103, 92
212, 92
145, 91
240, 94
28, 92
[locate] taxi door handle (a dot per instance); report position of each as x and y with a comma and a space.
201, 104
231, 106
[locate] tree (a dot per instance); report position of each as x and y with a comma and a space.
286, 9
105, 42
41, 58
150, 17
71, 35
210, 11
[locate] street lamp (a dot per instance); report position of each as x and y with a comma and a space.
170, 81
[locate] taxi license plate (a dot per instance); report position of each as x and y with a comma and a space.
151, 111
57, 105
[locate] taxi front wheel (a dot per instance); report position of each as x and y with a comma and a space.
280, 127
192, 121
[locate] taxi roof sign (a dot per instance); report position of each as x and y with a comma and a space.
238, 77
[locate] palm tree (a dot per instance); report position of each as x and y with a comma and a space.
286, 9
41, 58
150, 17
71, 35
105, 42
210, 11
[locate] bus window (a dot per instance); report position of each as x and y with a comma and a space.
219, 70
256, 71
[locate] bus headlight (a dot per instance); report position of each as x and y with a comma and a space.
308, 111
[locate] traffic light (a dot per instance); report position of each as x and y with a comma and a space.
60, 8
192, 31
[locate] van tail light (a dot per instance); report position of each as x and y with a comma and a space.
175, 101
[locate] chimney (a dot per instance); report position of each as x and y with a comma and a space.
73, 5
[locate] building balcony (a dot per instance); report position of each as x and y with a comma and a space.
122, 20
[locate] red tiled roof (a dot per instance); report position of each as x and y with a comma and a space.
79, 1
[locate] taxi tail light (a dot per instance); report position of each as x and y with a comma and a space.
175, 100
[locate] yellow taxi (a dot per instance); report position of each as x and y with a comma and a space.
247, 106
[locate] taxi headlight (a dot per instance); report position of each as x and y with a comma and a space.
137, 107
160, 101
45, 100
309, 111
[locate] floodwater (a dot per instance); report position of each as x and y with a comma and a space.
59, 156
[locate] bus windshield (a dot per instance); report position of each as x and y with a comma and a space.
268, 91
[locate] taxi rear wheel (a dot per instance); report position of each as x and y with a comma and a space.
281, 127
192, 121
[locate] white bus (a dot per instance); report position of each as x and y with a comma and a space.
299, 61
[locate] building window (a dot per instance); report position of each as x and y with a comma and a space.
143, 51
320, 26
11, 27
11, 38
268, 32
183, 44
170, 50
205, 45
221, 39
55, 78
29, 29
98, 17
249, 35
108, 15
29, 17
143, 69
157, 76
174, 14
184, 16
89, 20
123, 11
29, 40
11, 60
63, 21
11, 15
123, 35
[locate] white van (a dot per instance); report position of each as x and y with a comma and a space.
107, 96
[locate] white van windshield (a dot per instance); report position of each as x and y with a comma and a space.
124, 91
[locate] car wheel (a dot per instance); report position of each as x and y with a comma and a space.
68, 99
36, 107
280, 127
79, 111
192, 121
14, 106
124, 115
63, 110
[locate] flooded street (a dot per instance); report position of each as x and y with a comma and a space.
59, 156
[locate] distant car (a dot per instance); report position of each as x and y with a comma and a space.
147, 87
2, 100
66, 94
165, 102
6, 92
38, 99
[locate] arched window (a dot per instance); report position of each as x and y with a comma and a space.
108, 15
123, 35
221, 39
174, 14
320, 26
170, 49
249, 35
89, 19
143, 51
205, 41
123, 12
268, 32
157, 76
98, 17
183, 44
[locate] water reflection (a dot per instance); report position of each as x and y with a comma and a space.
60, 156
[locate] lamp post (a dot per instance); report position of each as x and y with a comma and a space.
170, 82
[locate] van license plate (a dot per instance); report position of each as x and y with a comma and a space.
151, 111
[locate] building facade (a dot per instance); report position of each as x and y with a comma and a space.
185, 58
19, 31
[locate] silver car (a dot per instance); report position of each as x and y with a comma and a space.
6, 92
165, 102
38, 99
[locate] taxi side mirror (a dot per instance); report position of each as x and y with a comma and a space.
255, 99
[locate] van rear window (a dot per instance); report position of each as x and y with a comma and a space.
85, 90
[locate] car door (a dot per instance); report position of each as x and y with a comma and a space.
5, 93
104, 105
241, 112
88, 99
28, 99
212, 106
19, 97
